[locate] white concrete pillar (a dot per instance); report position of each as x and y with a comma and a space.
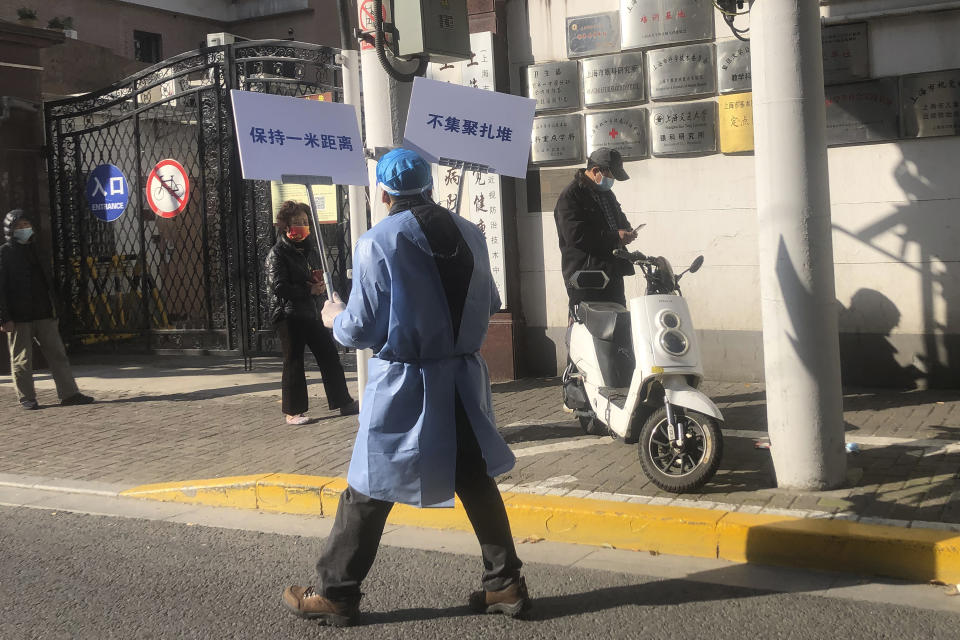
385, 103
801, 345
357, 195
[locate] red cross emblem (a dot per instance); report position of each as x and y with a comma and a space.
614, 133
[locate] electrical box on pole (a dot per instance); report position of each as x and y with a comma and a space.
438, 29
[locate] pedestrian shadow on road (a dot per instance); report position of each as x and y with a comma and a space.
656, 593
418, 614
645, 594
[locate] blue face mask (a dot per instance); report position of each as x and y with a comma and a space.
23, 235
605, 184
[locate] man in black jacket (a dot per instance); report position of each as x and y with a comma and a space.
591, 224
27, 314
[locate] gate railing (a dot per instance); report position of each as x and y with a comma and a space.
195, 281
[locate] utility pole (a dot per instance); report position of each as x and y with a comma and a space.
357, 195
384, 107
385, 104
800, 341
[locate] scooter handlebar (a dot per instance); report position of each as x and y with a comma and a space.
631, 256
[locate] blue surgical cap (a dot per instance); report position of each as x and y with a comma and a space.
402, 172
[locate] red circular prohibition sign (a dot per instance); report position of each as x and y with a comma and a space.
168, 188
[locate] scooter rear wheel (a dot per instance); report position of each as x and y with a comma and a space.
680, 469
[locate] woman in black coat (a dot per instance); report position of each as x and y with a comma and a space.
296, 286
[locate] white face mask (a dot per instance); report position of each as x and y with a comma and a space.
23, 235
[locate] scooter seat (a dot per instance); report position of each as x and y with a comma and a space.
604, 320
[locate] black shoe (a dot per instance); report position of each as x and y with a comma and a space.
76, 399
29, 405
351, 409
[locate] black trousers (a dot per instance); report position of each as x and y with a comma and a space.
295, 334
352, 546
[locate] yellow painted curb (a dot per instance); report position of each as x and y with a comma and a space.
914, 554
624, 525
838, 545
235, 491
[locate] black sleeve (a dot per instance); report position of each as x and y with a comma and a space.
622, 221
278, 279
577, 231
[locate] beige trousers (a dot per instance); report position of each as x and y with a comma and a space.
47, 334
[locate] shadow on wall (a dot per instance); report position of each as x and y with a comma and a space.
936, 239
867, 356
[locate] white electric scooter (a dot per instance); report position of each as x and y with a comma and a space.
635, 375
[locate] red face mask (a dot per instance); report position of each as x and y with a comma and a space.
298, 234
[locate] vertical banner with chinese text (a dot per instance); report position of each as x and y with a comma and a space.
482, 195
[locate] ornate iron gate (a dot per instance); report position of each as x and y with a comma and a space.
191, 282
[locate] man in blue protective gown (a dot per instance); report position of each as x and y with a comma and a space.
421, 300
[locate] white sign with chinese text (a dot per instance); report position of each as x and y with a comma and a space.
451, 72
280, 135
470, 125
482, 200
479, 71
482, 197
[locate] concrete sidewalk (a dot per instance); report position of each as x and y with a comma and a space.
163, 419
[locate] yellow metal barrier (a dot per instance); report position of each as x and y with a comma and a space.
109, 306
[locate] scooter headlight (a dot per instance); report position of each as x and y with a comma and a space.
674, 342
669, 320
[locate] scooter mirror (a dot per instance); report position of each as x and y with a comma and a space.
589, 280
696, 265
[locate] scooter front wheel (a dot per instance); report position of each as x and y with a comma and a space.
680, 467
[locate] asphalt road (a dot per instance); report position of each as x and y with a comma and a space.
66, 575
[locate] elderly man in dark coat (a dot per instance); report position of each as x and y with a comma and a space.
27, 314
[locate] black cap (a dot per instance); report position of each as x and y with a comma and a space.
607, 158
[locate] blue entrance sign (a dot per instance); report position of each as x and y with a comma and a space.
107, 192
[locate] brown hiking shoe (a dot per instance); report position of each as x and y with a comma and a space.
513, 601
305, 602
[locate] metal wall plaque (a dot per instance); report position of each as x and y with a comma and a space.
930, 104
554, 85
651, 23
683, 128
593, 34
845, 53
863, 112
682, 72
622, 129
733, 66
613, 79
546, 191
557, 139
735, 122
